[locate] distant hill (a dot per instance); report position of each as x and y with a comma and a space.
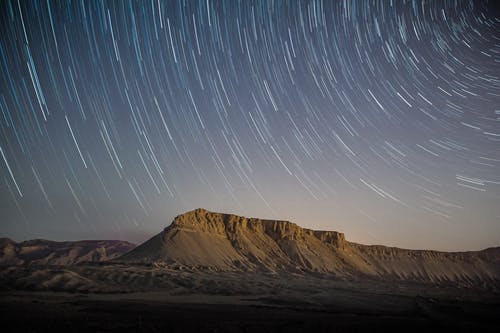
45, 252
226, 242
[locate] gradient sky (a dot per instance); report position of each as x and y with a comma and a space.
380, 119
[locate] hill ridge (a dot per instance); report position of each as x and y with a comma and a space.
226, 242
49, 252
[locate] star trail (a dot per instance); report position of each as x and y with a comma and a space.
380, 119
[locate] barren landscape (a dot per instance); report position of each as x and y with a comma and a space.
220, 272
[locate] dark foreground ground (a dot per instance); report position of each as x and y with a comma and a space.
147, 298
157, 312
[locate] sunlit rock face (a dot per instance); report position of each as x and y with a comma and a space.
226, 242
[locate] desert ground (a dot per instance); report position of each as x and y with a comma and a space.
157, 299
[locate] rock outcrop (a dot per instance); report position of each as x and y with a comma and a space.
226, 242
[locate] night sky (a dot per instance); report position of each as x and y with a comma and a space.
380, 119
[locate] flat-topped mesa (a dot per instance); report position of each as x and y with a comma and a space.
228, 224
201, 239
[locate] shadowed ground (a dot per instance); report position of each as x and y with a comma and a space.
351, 311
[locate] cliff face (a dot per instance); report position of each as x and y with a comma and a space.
229, 225
225, 242
45, 252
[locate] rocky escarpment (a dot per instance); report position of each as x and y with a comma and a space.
230, 225
226, 242
45, 252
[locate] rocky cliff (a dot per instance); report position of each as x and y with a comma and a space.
226, 242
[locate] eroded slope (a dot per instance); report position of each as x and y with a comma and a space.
225, 242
